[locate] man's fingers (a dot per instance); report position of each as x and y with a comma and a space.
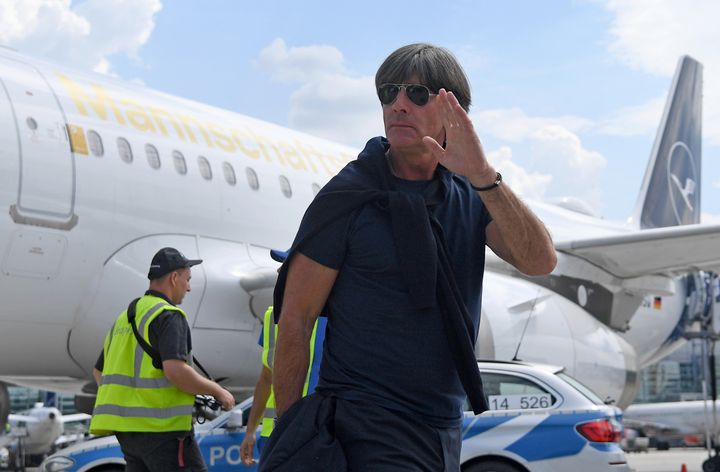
246, 450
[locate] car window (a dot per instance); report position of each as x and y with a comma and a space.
511, 392
581, 388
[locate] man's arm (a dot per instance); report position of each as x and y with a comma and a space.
184, 377
515, 234
99, 366
260, 397
97, 374
307, 287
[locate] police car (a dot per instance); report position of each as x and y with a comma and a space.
219, 442
541, 420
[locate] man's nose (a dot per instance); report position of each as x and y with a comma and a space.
402, 102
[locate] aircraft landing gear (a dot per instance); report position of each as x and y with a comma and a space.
4, 405
712, 464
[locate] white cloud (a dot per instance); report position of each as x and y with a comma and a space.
561, 153
651, 36
551, 145
529, 185
83, 34
513, 124
339, 108
329, 101
299, 64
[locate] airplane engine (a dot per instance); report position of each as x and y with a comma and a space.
540, 326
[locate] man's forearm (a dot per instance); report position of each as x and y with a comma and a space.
528, 244
291, 364
260, 397
188, 380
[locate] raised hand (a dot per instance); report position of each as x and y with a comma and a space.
463, 153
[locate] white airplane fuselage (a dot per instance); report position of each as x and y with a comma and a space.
672, 420
83, 217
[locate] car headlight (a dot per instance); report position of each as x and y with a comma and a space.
57, 463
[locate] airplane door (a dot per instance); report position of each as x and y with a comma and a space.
46, 195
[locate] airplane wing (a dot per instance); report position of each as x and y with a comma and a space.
75, 417
14, 419
671, 250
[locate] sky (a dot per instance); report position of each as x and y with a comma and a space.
567, 94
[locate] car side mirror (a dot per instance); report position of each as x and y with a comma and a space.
235, 421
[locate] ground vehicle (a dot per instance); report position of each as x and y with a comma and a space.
219, 442
541, 422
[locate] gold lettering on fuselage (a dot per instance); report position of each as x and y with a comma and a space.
94, 100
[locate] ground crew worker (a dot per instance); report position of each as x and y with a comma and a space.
146, 384
264, 399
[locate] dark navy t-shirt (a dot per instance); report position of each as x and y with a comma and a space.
379, 348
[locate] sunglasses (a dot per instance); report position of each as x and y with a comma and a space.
418, 94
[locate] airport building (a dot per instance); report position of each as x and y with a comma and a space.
678, 377
22, 399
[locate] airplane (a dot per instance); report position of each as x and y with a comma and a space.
684, 422
42, 428
96, 174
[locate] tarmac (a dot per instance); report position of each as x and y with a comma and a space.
667, 461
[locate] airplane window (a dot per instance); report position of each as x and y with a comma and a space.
124, 150
153, 156
315, 188
252, 178
179, 161
285, 186
229, 173
95, 142
205, 169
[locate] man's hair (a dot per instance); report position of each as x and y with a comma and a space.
434, 66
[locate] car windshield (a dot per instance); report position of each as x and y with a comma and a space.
581, 388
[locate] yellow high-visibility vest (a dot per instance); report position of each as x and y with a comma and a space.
268, 357
133, 395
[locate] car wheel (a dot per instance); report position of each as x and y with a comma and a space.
492, 466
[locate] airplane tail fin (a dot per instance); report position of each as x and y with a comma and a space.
670, 194
51, 399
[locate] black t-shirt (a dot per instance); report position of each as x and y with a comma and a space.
169, 334
378, 347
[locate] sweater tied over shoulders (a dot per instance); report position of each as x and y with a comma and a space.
368, 179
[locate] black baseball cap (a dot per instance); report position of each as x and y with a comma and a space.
167, 260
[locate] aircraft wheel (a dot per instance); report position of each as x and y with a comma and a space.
712, 464
492, 466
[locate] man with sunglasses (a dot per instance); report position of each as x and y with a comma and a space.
393, 250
